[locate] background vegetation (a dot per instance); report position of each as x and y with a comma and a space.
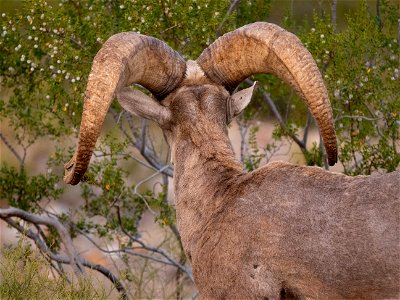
46, 53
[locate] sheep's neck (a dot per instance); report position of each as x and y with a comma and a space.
205, 169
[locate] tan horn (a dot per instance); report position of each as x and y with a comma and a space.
124, 59
267, 48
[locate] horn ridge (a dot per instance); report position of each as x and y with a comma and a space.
267, 48
124, 59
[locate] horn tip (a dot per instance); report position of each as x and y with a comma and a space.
71, 176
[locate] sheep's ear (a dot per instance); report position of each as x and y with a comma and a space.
138, 103
238, 101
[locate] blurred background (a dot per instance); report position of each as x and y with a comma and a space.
114, 234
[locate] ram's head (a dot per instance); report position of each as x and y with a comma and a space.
130, 58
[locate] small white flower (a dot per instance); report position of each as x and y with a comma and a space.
78, 78
41, 69
33, 27
32, 69
28, 61
90, 7
216, 13
29, 37
58, 71
53, 76
350, 96
73, 113
42, 16
73, 80
35, 46
52, 56
129, 19
142, 19
58, 61
22, 57
341, 125
122, 6
337, 93
322, 36
76, 57
66, 104
313, 29
63, 71
3, 15
392, 78
51, 67
47, 97
13, 28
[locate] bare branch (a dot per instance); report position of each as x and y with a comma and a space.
6, 213
149, 155
333, 11
398, 31
307, 127
233, 5
11, 148
65, 259
153, 249
357, 118
278, 116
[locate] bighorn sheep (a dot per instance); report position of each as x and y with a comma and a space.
281, 231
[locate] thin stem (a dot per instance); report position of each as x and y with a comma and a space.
11, 148
333, 12
278, 116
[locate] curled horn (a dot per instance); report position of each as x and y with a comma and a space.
267, 48
124, 59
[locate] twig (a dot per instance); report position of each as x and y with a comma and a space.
278, 116
76, 42
233, 5
357, 117
152, 249
398, 32
9, 146
333, 11
148, 155
306, 128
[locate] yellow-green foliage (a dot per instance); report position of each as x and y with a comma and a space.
25, 274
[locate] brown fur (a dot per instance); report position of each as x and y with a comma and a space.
282, 231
